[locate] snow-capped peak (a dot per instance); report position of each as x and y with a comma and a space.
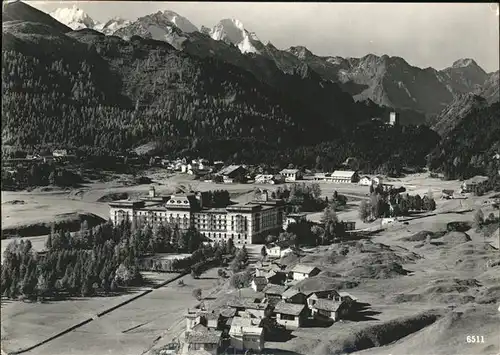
112, 25
464, 62
179, 21
232, 31
73, 17
165, 26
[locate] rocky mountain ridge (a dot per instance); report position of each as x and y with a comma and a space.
385, 80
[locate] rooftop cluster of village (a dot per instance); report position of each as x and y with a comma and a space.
283, 300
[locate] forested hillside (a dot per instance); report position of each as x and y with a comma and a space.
117, 94
470, 147
105, 95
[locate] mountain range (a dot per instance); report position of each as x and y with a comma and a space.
387, 81
221, 92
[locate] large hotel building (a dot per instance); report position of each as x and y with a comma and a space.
247, 223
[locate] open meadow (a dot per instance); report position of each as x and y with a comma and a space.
131, 329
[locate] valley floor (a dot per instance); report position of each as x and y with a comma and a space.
449, 274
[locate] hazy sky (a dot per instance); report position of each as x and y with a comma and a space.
431, 34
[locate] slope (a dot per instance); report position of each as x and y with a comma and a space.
452, 115
104, 95
490, 90
126, 93
19, 11
467, 148
391, 81
230, 42
111, 26
323, 99
232, 31
73, 17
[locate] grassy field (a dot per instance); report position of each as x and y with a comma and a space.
449, 270
130, 329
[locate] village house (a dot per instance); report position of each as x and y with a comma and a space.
349, 225
203, 339
246, 334
291, 175
344, 176
275, 251
193, 318
274, 292
302, 271
320, 176
226, 315
268, 179
210, 320
329, 309
218, 164
258, 283
264, 179
472, 184
329, 295
185, 168
294, 218
263, 267
338, 176
290, 315
200, 164
447, 194
271, 271
365, 181
277, 277
233, 173
293, 295
377, 180
60, 153
386, 187
253, 307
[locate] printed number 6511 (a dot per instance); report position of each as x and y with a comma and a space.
471, 339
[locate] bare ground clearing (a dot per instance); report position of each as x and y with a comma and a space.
130, 329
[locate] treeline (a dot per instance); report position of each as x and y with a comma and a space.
213, 255
216, 198
38, 174
301, 197
92, 261
393, 205
63, 272
44, 101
